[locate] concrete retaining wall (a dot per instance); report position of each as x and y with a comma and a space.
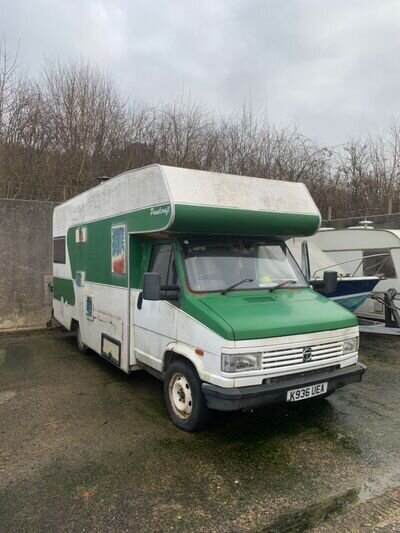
25, 263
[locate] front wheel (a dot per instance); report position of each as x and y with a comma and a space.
184, 398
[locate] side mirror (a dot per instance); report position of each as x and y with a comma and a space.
151, 286
330, 281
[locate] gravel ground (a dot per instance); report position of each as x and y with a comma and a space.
84, 447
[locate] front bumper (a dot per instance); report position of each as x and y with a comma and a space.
234, 399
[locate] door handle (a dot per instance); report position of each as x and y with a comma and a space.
140, 300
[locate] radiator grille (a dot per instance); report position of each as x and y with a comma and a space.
302, 355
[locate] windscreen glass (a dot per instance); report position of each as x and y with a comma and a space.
215, 266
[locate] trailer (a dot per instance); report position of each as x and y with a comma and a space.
186, 274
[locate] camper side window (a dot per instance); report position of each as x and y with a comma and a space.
59, 250
163, 262
378, 262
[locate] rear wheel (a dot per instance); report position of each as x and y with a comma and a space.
81, 346
184, 398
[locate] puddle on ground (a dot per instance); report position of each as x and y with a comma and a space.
379, 484
313, 515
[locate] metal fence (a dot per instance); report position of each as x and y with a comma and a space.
23, 191
59, 193
337, 213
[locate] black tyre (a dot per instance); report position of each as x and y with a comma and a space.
81, 346
184, 398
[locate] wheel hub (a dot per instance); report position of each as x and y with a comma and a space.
180, 396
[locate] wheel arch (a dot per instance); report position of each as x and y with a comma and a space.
175, 352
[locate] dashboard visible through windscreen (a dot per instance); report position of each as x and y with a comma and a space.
214, 266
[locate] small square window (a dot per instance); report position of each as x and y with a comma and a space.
59, 250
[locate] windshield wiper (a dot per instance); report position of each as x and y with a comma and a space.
287, 282
246, 280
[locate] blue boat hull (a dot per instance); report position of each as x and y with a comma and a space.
352, 292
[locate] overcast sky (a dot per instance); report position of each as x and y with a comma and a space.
331, 67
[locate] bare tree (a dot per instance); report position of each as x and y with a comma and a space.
57, 135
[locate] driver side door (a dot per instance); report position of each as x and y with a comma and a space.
155, 322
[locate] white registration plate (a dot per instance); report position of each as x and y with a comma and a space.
306, 392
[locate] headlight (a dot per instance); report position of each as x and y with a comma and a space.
241, 362
350, 345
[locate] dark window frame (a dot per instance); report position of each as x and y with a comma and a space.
59, 254
385, 265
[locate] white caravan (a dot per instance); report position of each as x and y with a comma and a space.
366, 251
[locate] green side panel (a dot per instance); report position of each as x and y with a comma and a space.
94, 255
64, 288
140, 251
154, 218
245, 315
217, 220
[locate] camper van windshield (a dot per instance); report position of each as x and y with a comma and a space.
215, 266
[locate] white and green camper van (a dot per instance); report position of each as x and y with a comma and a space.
186, 274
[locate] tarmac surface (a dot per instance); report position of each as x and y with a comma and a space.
85, 447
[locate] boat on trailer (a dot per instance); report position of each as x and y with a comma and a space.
351, 291
375, 252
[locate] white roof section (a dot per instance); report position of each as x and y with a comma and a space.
357, 239
214, 189
130, 191
157, 185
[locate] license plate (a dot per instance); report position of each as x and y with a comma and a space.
306, 392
